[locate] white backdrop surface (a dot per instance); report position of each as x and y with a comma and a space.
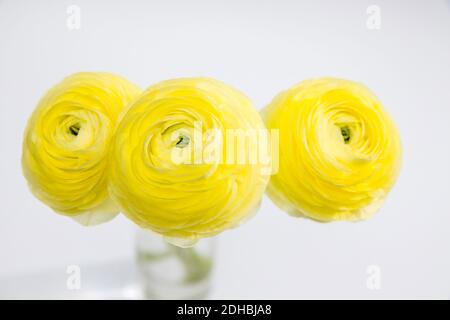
260, 47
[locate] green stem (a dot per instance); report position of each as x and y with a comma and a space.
196, 265
150, 257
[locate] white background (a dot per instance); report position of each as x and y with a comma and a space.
260, 47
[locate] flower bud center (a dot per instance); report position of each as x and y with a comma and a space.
346, 134
183, 141
75, 129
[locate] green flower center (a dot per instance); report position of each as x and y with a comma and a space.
75, 129
183, 141
345, 131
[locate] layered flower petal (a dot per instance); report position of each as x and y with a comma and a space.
66, 144
340, 152
168, 174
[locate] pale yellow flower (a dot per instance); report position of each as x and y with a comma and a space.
66, 144
155, 175
340, 152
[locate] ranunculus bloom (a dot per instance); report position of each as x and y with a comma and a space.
340, 152
155, 175
66, 144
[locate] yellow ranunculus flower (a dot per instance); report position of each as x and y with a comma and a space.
66, 144
340, 152
155, 175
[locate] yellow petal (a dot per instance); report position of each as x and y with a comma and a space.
155, 175
66, 144
340, 152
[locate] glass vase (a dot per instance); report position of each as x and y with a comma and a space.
166, 271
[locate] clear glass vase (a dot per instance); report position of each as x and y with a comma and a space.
170, 272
